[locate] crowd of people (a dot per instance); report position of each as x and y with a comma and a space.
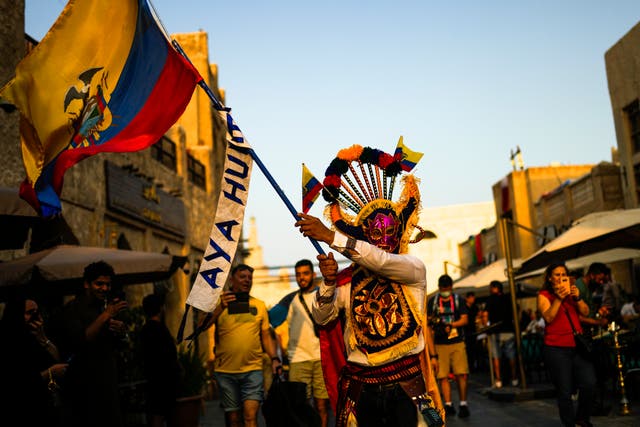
366, 344
65, 372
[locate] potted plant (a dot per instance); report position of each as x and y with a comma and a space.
193, 377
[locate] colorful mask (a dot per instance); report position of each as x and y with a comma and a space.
382, 231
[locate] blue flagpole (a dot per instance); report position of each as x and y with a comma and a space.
218, 106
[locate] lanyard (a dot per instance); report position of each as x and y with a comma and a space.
441, 306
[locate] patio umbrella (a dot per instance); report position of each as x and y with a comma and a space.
479, 280
606, 257
593, 233
60, 269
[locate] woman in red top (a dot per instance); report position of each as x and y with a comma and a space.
558, 301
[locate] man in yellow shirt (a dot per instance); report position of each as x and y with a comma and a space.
241, 336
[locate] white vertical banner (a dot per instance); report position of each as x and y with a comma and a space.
227, 225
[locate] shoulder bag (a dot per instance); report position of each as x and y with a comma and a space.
584, 344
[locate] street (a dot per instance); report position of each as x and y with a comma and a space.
486, 411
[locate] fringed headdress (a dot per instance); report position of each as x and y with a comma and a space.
358, 186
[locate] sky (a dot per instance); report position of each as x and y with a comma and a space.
463, 82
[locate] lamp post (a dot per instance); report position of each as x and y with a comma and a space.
504, 232
446, 263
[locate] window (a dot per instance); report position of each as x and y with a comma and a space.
196, 172
633, 115
164, 151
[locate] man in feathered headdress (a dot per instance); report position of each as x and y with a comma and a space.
387, 377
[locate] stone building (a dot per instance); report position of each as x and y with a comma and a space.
162, 199
12, 49
623, 62
514, 197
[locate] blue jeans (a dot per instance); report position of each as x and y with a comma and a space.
570, 372
236, 388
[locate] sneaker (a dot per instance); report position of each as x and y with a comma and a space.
498, 384
515, 383
449, 410
463, 412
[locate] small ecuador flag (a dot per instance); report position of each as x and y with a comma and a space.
311, 188
408, 159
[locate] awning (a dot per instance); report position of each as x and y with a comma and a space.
605, 257
483, 277
60, 269
593, 233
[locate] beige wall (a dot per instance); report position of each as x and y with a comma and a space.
452, 225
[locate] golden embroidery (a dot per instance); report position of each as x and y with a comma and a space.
380, 314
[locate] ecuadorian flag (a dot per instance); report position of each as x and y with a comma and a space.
311, 188
408, 159
105, 78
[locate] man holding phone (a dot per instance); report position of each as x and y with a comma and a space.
90, 334
241, 336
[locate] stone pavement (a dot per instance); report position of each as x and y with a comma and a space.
507, 407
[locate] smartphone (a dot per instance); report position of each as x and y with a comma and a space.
241, 304
116, 295
564, 284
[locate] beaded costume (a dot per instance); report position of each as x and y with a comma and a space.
384, 318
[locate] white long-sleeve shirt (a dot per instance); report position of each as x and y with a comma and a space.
405, 269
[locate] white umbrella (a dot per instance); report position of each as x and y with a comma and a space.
593, 233
64, 265
606, 257
478, 279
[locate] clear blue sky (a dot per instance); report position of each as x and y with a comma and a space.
465, 82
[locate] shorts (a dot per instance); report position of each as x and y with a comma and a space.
503, 343
452, 357
310, 373
236, 388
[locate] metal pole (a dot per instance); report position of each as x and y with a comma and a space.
504, 231
218, 106
284, 198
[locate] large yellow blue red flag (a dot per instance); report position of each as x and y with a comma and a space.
311, 188
105, 78
408, 159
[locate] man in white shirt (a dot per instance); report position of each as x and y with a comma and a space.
303, 348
